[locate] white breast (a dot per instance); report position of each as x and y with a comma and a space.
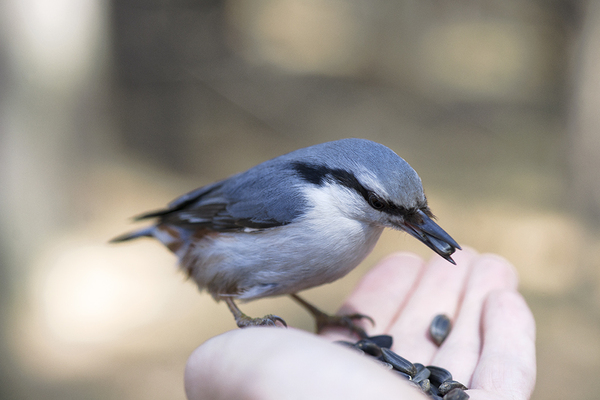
320, 247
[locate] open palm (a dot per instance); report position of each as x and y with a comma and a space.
491, 348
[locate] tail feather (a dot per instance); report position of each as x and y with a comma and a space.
145, 232
152, 214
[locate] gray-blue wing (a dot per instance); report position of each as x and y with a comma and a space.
263, 197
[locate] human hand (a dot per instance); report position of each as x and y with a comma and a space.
490, 349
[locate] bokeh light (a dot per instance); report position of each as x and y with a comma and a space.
89, 294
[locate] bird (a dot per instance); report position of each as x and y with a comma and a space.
297, 221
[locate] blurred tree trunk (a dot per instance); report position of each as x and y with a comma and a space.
585, 118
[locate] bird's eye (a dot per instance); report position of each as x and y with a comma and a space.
376, 202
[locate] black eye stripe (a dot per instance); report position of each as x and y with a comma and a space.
319, 174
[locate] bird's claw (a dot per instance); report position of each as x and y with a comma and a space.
275, 318
344, 321
324, 320
245, 321
358, 317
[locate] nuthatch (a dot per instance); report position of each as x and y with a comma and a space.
295, 222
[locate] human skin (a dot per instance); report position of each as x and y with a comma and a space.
491, 347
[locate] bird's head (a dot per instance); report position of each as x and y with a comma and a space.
376, 186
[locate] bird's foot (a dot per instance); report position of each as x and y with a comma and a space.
244, 321
324, 320
344, 321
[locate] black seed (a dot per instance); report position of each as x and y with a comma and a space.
422, 373
382, 341
399, 363
438, 375
456, 394
402, 374
425, 385
368, 347
440, 328
344, 343
432, 380
447, 386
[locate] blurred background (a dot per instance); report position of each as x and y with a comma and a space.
112, 108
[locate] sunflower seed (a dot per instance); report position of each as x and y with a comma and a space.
422, 373
436, 382
456, 394
368, 347
344, 343
447, 386
425, 385
404, 375
382, 341
440, 328
438, 375
399, 363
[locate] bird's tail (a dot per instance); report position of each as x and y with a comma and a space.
145, 232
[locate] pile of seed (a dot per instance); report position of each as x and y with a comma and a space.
434, 381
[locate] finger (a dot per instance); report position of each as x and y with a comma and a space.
460, 352
383, 291
438, 292
269, 363
507, 362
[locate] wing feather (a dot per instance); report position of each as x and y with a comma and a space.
242, 202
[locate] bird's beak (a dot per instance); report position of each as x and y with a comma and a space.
432, 235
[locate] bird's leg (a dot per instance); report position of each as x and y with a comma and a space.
242, 320
323, 320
